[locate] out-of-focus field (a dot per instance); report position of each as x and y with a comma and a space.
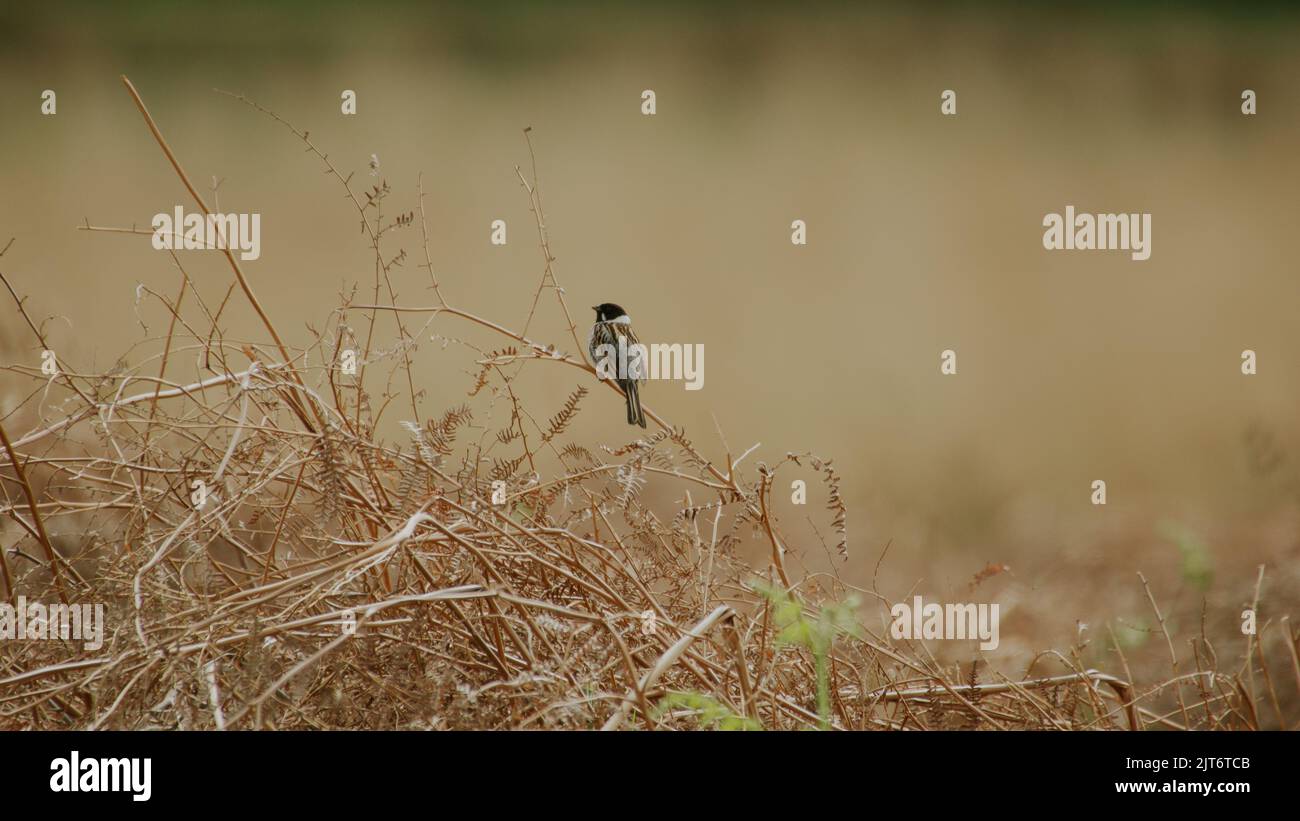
924, 235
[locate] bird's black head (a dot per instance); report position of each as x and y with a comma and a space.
607, 311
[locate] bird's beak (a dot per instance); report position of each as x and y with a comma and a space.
594, 308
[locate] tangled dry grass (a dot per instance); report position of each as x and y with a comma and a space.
266, 562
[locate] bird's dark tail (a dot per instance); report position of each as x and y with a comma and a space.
635, 416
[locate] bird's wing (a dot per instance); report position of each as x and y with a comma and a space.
601, 334
636, 355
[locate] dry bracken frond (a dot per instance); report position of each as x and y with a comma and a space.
561, 420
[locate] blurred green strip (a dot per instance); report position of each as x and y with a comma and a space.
304, 26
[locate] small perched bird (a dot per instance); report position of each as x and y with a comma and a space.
613, 326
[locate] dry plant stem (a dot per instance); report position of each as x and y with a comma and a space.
1123, 659
279, 525
747, 705
953, 690
778, 550
7, 575
374, 233
424, 235
50, 554
539, 217
230, 257
1169, 642
1252, 720
40, 337
1246, 666
630, 666
1268, 677
167, 347
94, 407
667, 660
10, 593
1290, 640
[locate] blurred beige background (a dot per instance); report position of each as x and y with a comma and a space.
924, 234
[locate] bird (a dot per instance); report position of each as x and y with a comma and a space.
612, 327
